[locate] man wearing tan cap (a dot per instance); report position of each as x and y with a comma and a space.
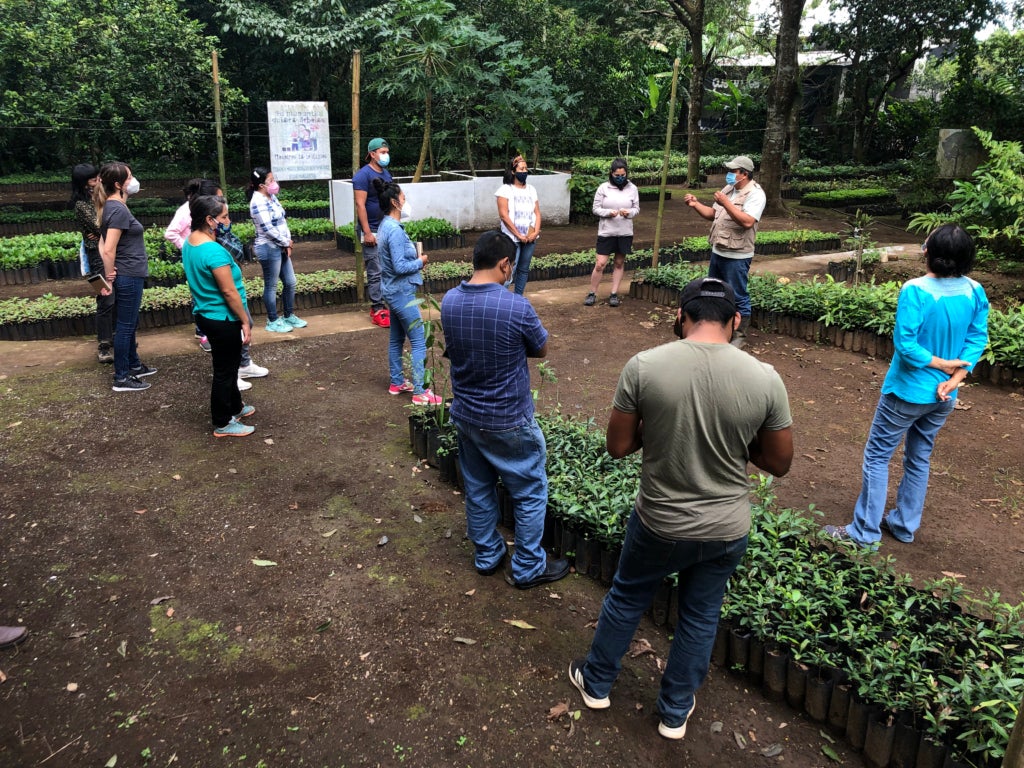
737, 209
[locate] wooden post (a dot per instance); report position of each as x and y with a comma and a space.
357, 244
217, 121
664, 163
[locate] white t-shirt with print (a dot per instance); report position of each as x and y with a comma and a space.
522, 203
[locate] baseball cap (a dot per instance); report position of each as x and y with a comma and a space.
376, 144
741, 161
707, 287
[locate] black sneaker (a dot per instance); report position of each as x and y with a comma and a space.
613, 300
553, 571
131, 384
590, 300
105, 355
142, 371
576, 678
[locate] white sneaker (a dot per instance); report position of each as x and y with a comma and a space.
252, 371
243, 385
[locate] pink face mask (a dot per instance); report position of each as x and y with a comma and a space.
273, 188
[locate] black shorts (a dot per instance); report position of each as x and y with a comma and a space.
607, 245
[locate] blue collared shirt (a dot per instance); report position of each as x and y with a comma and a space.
488, 332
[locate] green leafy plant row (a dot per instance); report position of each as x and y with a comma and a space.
419, 230
839, 197
812, 171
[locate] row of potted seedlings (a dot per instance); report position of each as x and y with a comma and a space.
906, 675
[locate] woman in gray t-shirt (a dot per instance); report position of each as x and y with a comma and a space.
126, 266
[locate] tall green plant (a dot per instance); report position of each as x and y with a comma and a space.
991, 206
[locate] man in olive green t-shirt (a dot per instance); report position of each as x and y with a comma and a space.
701, 409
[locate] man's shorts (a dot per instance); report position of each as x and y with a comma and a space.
609, 244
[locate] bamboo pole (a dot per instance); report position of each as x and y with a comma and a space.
217, 121
1014, 757
357, 244
665, 161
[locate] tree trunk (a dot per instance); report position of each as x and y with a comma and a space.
469, 152
794, 126
694, 110
426, 139
781, 95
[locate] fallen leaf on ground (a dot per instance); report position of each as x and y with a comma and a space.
364, 656
470, 593
141, 511
954, 575
170, 612
417, 519
561, 708
518, 623
639, 648
830, 753
161, 599
329, 533
382, 541
263, 563
465, 640
740, 741
269, 441
772, 750
717, 726
323, 626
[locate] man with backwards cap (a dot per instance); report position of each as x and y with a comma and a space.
701, 409
369, 213
737, 209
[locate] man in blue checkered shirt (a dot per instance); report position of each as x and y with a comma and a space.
489, 334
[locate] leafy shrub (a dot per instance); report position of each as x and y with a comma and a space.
839, 197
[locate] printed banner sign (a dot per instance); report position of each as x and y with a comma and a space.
300, 142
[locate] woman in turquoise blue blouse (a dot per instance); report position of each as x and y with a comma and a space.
941, 332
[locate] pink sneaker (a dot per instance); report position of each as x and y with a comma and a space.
427, 398
397, 389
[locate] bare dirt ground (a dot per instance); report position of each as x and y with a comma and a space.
128, 536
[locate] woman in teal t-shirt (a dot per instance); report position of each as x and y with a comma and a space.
218, 300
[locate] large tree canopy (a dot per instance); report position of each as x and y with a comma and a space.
883, 40
96, 80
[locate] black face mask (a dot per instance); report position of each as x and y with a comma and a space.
620, 181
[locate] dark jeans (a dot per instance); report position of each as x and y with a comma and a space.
225, 337
735, 272
128, 301
704, 568
105, 314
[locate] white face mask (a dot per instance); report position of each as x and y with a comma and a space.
132, 188
406, 211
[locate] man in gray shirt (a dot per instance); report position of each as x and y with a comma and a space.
701, 409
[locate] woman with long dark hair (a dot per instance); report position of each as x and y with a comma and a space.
126, 267
218, 304
84, 178
616, 203
400, 268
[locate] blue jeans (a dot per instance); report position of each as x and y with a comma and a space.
894, 419
704, 568
276, 266
406, 322
518, 456
521, 266
735, 273
128, 302
371, 262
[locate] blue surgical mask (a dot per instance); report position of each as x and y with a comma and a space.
521, 176
384, 161
730, 178
223, 229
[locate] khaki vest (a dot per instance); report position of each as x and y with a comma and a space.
726, 234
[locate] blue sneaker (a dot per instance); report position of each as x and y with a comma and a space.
295, 321
233, 429
279, 326
247, 410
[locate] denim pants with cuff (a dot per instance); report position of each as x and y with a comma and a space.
704, 568
275, 267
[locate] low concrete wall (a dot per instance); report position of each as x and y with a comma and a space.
465, 200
